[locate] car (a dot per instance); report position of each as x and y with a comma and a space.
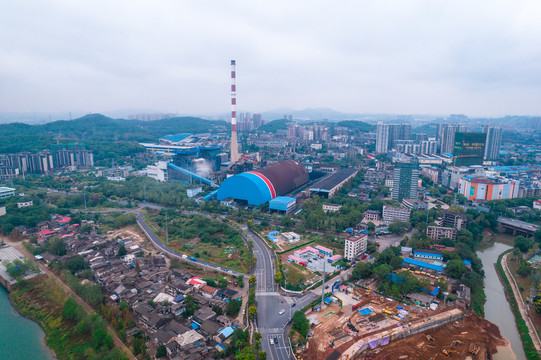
243, 311
293, 305
276, 340
271, 340
327, 286
315, 296
282, 312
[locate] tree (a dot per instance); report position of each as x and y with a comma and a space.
262, 355
523, 244
252, 281
161, 351
455, 269
362, 270
524, 269
301, 323
252, 312
537, 235
371, 226
101, 339
398, 227
75, 264
278, 277
122, 251
56, 246
396, 262
233, 307
72, 310
382, 271
247, 353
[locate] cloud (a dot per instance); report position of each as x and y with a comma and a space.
480, 58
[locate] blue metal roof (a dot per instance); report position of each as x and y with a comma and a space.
466, 262
176, 137
282, 200
422, 264
227, 332
245, 186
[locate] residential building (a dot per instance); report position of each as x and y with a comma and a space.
387, 134
415, 204
355, 245
447, 137
493, 142
537, 204
6, 192
24, 203
454, 220
406, 177
438, 233
371, 215
392, 214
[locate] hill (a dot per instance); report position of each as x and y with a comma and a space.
275, 125
356, 125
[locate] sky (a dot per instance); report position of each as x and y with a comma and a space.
479, 58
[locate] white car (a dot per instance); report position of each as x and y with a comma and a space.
282, 312
271, 341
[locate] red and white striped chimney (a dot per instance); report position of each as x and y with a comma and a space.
234, 142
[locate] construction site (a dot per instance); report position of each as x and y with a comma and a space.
359, 324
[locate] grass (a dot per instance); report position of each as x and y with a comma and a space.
297, 275
524, 283
202, 238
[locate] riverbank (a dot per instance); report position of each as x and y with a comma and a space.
22, 337
522, 327
42, 299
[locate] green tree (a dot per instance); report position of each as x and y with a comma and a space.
252, 312
75, 264
72, 310
301, 323
455, 269
101, 339
233, 307
262, 355
161, 351
252, 281
398, 227
362, 270
278, 277
523, 244
122, 251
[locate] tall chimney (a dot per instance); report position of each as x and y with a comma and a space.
234, 142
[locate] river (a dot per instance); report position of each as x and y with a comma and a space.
497, 309
20, 338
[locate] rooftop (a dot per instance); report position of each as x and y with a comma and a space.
334, 180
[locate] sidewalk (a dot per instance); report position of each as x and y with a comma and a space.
521, 305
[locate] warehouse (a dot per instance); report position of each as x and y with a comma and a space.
264, 184
329, 186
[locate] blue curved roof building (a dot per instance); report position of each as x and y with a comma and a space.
262, 185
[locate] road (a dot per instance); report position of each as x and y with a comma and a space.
521, 305
158, 244
270, 323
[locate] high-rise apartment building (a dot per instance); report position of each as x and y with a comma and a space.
406, 177
469, 148
387, 134
447, 138
493, 142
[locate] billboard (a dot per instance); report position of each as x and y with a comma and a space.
469, 148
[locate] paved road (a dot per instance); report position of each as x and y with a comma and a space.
521, 305
270, 323
157, 243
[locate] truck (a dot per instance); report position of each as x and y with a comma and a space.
192, 258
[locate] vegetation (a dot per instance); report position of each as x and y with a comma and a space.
275, 125
70, 332
527, 342
356, 125
300, 323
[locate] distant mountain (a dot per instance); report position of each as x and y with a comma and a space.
100, 127
356, 125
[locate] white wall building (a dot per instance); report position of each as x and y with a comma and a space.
355, 245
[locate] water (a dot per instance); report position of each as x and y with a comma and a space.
497, 309
20, 338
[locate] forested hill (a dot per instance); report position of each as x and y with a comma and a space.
356, 125
99, 127
275, 125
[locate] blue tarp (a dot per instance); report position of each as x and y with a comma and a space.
365, 311
467, 262
194, 326
327, 300
178, 298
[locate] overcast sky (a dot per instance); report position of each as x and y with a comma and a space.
480, 58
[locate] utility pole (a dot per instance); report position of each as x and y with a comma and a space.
166, 230
145, 191
323, 286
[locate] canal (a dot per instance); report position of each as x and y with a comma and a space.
497, 309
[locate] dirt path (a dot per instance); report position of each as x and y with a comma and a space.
521, 305
19, 246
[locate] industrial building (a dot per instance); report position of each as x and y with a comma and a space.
6, 192
329, 186
284, 204
264, 184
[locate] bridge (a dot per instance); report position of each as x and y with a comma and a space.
516, 227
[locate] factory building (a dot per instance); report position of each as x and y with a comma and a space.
264, 184
329, 186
